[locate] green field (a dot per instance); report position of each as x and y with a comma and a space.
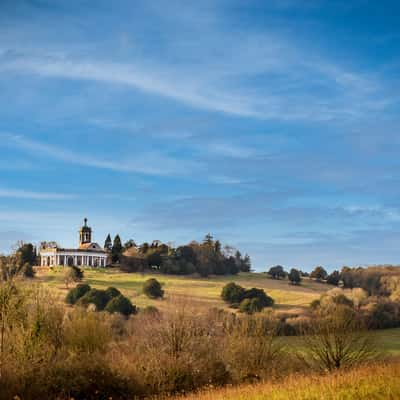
203, 292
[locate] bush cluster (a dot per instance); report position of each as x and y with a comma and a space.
248, 300
110, 300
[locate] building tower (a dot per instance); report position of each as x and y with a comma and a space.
85, 233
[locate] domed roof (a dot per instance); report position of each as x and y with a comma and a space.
85, 227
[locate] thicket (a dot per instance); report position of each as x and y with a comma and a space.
247, 300
20, 262
110, 300
371, 312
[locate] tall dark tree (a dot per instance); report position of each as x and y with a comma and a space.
108, 243
333, 278
208, 240
245, 265
27, 254
116, 250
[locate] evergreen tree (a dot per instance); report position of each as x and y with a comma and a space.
108, 243
208, 240
116, 250
246, 264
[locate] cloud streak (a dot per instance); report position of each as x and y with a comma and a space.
148, 164
26, 194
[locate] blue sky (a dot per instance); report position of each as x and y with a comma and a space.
273, 125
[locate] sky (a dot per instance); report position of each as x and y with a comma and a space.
273, 125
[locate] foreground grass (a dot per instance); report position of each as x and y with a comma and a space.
205, 292
378, 381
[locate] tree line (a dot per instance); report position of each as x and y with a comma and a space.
208, 257
376, 281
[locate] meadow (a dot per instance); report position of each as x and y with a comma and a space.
202, 292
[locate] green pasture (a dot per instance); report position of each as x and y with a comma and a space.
200, 291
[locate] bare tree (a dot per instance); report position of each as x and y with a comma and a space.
337, 340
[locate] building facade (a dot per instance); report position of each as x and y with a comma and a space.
88, 253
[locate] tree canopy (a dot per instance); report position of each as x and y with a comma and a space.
209, 257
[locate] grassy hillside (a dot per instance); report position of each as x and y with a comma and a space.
380, 381
204, 292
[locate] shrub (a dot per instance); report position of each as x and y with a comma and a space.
76, 293
86, 378
112, 292
341, 299
232, 293
28, 271
294, 276
260, 294
152, 288
151, 310
315, 304
120, 304
94, 296
250, 306
72, 274
384, 314
76, 273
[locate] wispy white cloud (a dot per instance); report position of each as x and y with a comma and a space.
231, 150
150, 163
132, 76
217, 86
26, 194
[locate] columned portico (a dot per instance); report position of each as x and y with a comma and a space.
87, 254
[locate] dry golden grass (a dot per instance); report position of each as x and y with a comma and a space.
377, 381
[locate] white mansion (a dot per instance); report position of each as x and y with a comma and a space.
87, 254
